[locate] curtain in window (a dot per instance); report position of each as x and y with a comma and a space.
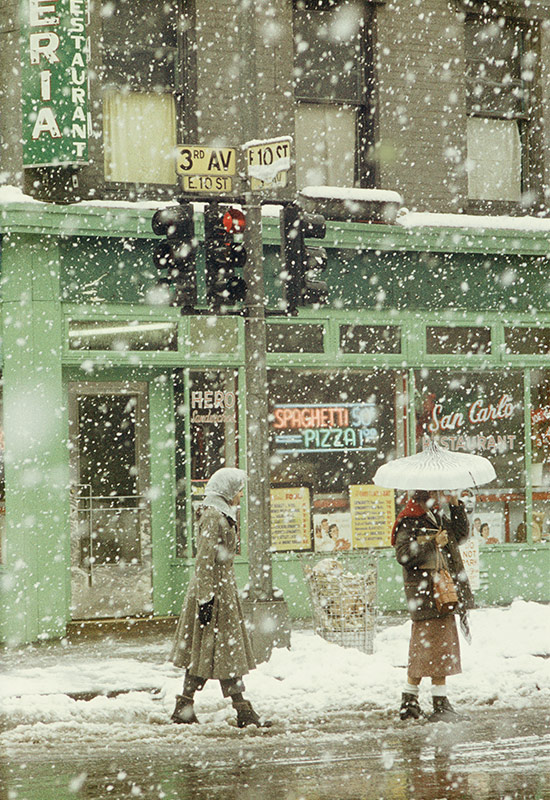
325, 145
139, 136
494, 159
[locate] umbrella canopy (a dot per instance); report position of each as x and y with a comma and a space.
435, 468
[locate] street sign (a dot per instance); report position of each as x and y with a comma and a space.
206, 183
206, 169
54, 82
268, 162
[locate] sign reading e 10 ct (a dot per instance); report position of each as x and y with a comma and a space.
325, 428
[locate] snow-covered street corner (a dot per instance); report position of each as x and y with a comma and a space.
507, 666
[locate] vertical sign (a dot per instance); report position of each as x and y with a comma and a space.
290, 518
372, 515
54, 80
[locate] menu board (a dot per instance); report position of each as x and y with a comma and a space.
291, 518
372, 515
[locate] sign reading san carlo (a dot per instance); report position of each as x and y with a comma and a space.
54, 77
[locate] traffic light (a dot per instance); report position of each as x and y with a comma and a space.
224, 254
175, 256
302, 263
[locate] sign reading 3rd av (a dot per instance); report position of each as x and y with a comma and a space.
206, 169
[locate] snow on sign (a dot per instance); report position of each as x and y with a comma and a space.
268, 162
206, 169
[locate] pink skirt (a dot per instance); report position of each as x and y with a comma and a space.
434, 649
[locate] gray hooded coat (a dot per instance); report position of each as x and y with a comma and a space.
222, 648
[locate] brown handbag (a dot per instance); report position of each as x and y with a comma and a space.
445, 596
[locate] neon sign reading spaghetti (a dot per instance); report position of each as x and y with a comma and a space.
320, 428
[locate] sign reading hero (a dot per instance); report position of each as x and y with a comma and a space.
54, 78
206, 169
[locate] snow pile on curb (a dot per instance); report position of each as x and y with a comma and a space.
507, 666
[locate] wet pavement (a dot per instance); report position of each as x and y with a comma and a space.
363, 754
353, 756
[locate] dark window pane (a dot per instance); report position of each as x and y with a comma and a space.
328, 46
494, 51
122, 336
330, 429
295, 338
522, 341
139, 43
370, 339
446, 341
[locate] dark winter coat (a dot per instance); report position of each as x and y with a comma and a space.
416, 551
221, 649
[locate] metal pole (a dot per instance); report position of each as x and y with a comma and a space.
259, 538
268, 617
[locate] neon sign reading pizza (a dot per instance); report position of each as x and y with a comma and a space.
301, 428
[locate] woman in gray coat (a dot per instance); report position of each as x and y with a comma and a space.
211, 637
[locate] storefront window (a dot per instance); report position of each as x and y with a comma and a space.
295, 338
2, 482
329, 432
527, 341
370, 339
121, 336
482, 413
444, 340
214, 435
540, 455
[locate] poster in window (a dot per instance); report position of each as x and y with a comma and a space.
332, 532
372, 515
488, 527
290, 518
470, 558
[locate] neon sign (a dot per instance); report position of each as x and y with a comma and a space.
325, 428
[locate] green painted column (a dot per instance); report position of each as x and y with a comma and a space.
36, 573
162, 491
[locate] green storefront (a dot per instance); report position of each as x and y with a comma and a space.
116, 409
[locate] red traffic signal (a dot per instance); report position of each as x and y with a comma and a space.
234, 221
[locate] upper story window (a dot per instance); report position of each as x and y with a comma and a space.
139, 51
500, 69
332, 68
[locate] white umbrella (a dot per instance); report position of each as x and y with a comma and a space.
435, 468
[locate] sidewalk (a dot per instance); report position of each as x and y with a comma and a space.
121, 683
91, 646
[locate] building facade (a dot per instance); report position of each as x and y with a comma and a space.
117, 408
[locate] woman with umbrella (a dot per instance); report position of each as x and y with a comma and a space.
421, 536
425, 541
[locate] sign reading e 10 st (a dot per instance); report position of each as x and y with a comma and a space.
268, 163
206, 169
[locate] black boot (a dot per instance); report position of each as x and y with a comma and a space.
247, 716
444, 712
184, 711
410, 707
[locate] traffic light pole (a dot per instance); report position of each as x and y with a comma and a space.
259, 542
269, 616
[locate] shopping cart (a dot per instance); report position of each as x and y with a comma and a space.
343, 603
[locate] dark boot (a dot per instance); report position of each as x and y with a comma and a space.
410, 707
444, 712
247, 716
184, 711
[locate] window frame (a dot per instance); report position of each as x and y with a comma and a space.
365, 172
529, 120
125, 189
